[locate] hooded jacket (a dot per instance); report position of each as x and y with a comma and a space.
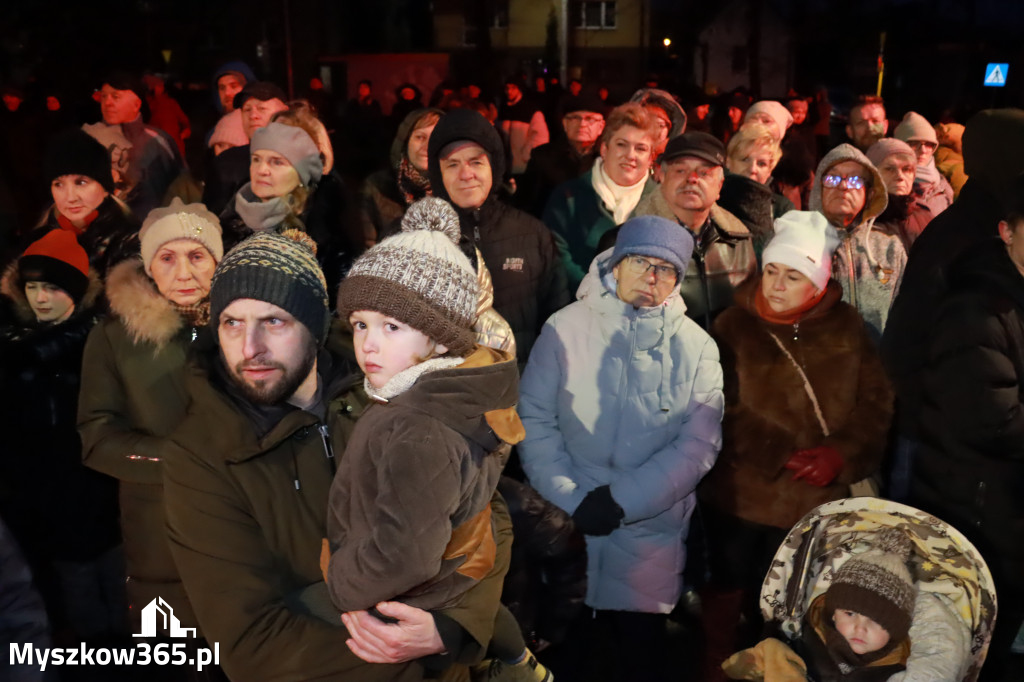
57, 508
236, 66
868, 263
247, 495
450, 434
520, 252
769, 416
723, 258
630, 398
133, 396
971, 466
994, 157
381, 201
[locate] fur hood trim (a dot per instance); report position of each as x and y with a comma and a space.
145, 313
13, 288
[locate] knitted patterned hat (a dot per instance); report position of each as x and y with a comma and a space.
878, 585
277, 268
179, 221
420, 277
57, 258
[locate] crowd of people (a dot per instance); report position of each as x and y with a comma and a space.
548, 371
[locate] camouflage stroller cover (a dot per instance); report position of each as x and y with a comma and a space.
945, 563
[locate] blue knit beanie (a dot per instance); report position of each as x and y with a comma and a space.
655, 237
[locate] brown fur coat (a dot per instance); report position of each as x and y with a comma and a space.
768, 415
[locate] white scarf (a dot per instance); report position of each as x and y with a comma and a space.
620, 201
403, 381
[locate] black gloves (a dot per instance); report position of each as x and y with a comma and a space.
598, 513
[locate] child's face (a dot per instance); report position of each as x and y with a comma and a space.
384, 346
863, 634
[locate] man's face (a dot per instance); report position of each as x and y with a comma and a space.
466, 174
691, 184
798, 108
268, 353
363, 90
702, 111
583, 127
256, 114
119, 106
512, 92
644, 281
228, 86
867, 125
897, 172
575, 87
842, 204
628, 155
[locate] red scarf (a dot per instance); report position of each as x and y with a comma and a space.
765, 312
65, 224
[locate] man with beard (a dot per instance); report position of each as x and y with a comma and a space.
867, 124
247, 483
723, 255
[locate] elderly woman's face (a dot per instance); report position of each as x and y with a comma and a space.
897, 172
182, 270
755, 162
76, 196
785, 288
271, 174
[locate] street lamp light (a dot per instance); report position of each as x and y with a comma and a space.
667, 42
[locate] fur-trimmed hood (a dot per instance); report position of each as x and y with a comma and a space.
13, 288
134, 299
877, 198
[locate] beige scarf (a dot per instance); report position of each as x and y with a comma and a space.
620, 201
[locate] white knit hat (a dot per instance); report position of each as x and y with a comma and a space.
777, 112
804, 241
179, 221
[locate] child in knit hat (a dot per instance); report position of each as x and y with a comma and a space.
409, 517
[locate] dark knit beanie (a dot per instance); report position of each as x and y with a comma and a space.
277, 268
458, 125
76, 152
419, 277
877, 584
57, 258
125, 80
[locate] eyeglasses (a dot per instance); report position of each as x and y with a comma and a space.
639, 267
849, 181
591, 120
923, 143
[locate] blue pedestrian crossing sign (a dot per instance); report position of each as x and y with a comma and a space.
995, 75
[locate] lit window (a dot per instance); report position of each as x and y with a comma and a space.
593, 14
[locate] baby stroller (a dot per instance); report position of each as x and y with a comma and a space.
956, 605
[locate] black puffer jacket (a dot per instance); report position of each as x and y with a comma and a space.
547, 578
970, 471
55, 506
526, 268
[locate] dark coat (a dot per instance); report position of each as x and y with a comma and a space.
450, 433
905, 217
56, 507
133, 396
547, 577
109, 239
970, 471
769, 416
550, 165
22, 613
247, 494
756, 205
228, 172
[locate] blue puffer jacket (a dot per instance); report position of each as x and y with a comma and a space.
631, 398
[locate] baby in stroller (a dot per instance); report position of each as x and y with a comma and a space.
867, 590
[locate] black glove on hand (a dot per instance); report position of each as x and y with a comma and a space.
598, 513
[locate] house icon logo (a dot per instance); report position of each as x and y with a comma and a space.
158, 615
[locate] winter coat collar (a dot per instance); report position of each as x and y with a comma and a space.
730, 227
877, 198
145, 313
13, 288
747, 291
485, 385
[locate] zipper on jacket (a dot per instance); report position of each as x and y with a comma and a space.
851, 272
325, 436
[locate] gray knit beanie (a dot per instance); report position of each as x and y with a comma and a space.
179, 221
886, 147
294, 144
914, 126
877, 584
277, 268
419, 277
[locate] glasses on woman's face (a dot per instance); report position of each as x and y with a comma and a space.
640, 266
848, 181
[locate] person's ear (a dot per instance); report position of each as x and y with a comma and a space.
1006, 232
